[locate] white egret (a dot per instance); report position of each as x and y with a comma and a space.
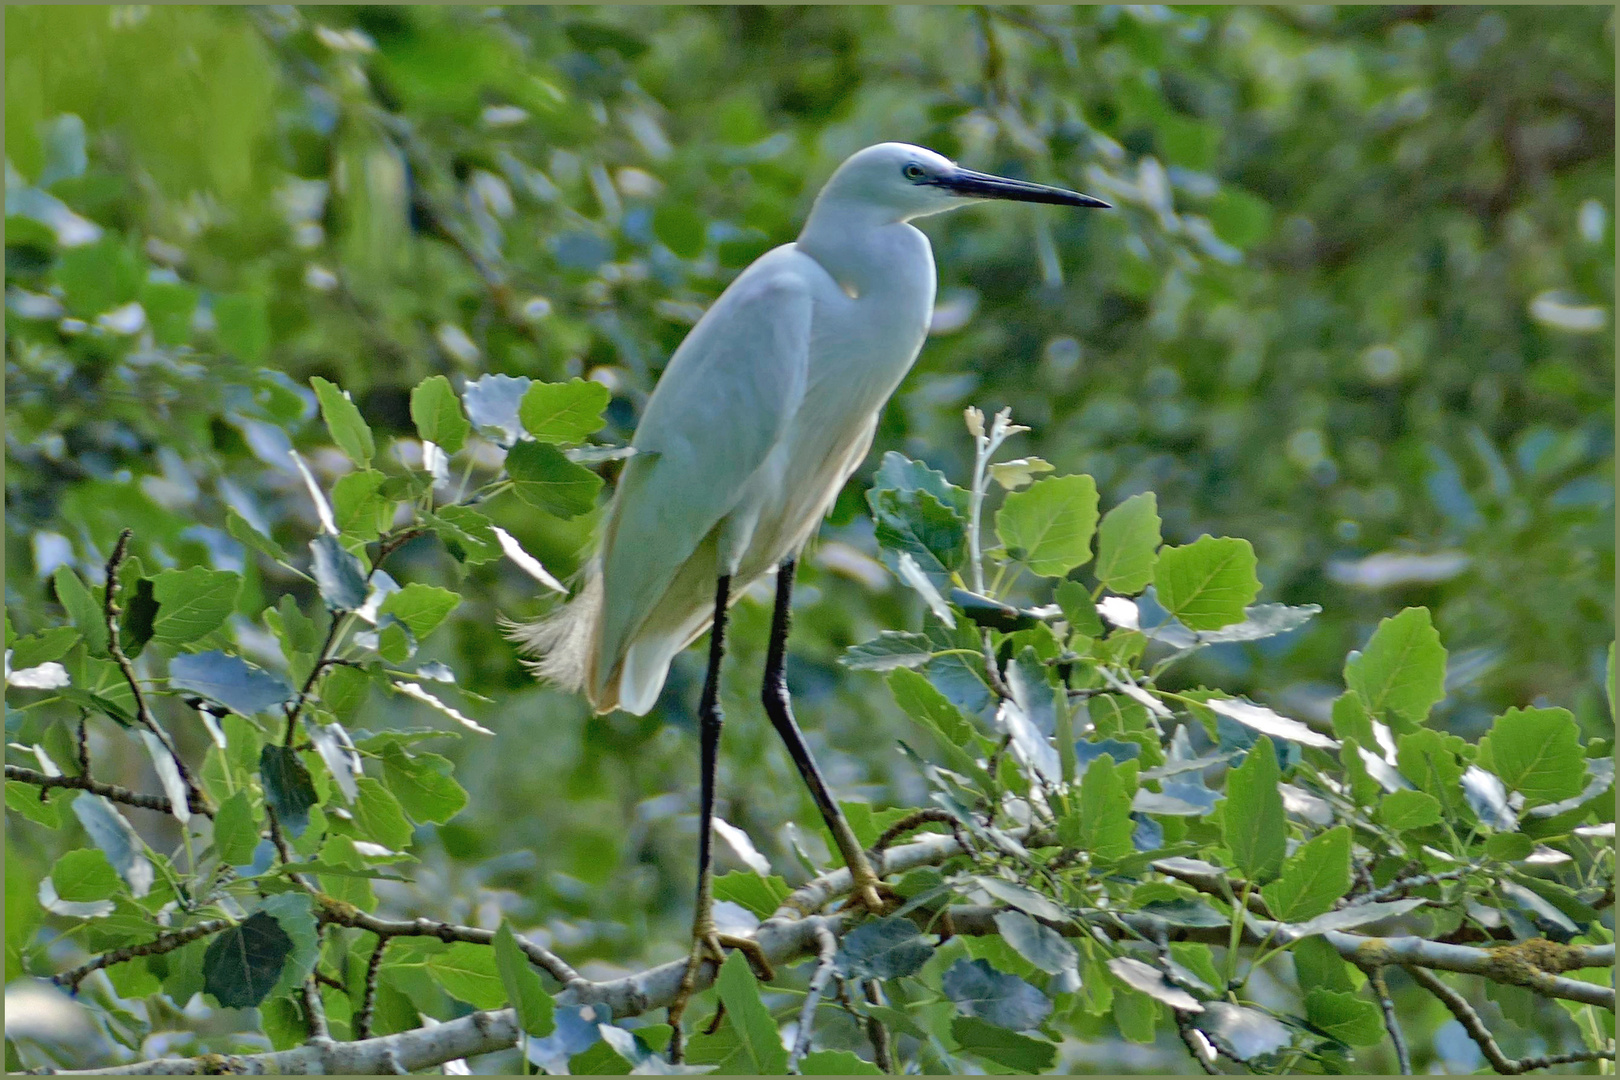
761, 415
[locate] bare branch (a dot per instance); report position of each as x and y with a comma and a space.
827, 946
115, 648
368, 1001
795, 931
338, 913
1477, 1031
1375, 976
108, 791
162, 944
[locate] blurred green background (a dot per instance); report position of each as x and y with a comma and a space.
1353, 304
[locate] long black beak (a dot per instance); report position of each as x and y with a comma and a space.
977, 185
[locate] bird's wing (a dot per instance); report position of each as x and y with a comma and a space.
717, 412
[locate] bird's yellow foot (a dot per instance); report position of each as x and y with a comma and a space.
873, 897
711, 946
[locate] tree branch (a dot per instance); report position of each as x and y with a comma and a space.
795, 931
115, 648
1403, 1058
1477, 1031
828, 947
107, 791
162, 944
338, 913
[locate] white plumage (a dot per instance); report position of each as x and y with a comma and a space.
761, 415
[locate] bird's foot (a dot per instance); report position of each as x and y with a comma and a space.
873, 896
708, 945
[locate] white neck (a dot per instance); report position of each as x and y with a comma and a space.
862, 246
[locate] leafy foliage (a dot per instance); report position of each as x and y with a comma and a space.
443, 253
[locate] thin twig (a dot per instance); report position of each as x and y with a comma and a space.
1481, 1035
162, 944
1401, 886
1375, 977
368, 1000
84, 743
876, 1033
339, 913
827, 951
111, 792
910, 823
322, 661
315, 1012
115, 649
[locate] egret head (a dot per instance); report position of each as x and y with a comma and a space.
911, 181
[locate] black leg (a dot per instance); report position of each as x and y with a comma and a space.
779, 707
709, 723
706, 943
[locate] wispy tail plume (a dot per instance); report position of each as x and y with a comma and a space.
560, 645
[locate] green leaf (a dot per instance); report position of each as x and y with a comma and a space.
83, 876
890, 649
679, 228
523, 987
1208, 583
169, 308
884, 949
1402, 810
117, 839
920, 525
1402, 671
236, 833
1509, 847
378, 816
229, 680
1345, 1017
245, 961
436, 412
1014, 1052
1313, 878
421, 607
1101, 822
337, 574
135, 625
563, 412
193, 602
1037, 943
1240, 1031
544, 478
242, 325
1429, 760
1536, 752
359, 509
422, 784
43, 647
288, 789
1048, 526
294, 911
840, 1063
1005, 1000
1316, 963
343, 420
468, 973
763, 1053
1128, 544
920, 700
906, 477
83, 608
465, 532
760, 895
1252, 819
1078, 610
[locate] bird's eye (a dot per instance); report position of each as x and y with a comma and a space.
914, 172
